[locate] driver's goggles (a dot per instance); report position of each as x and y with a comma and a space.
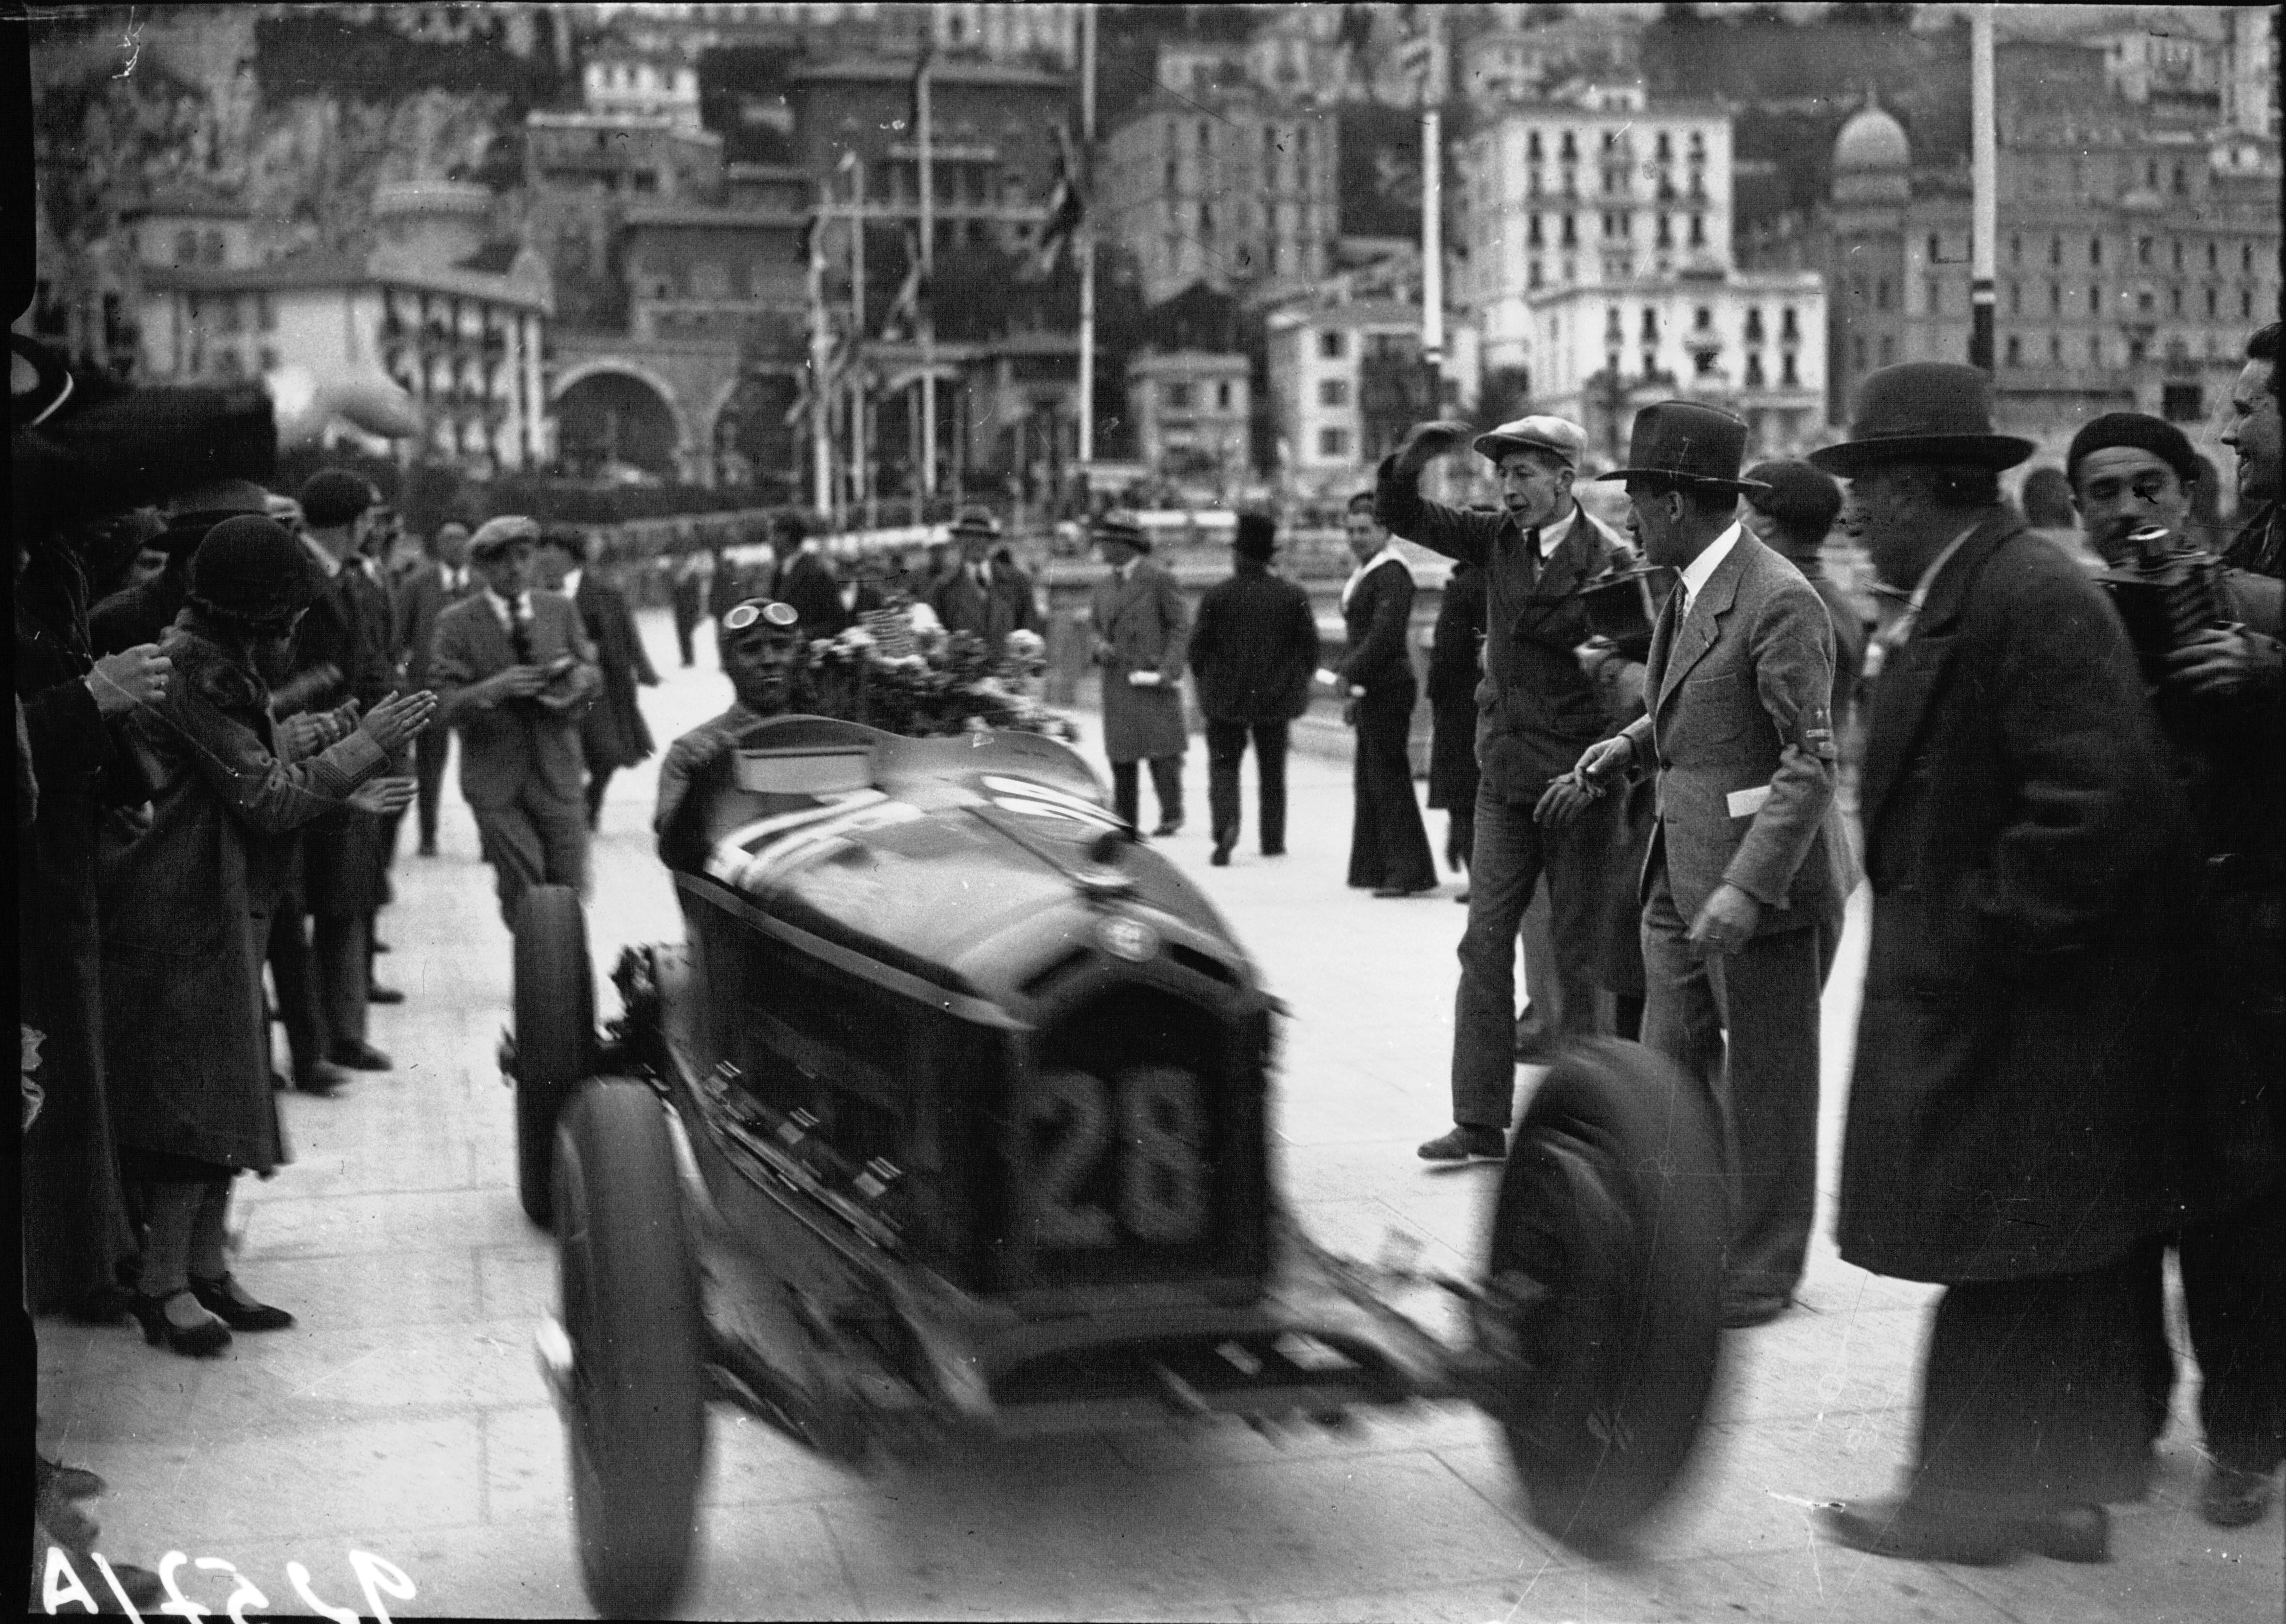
782, 616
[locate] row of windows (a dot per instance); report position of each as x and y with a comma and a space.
1615, 185
1275, 138
229, 311
1702, 320
2147, 252
1180, 396
1705, 363
2217, 304
1618, 225
229, 362
1615, 142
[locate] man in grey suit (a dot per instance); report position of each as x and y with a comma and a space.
514, 672
1142, 631
424, 595
1747, 870
982, 595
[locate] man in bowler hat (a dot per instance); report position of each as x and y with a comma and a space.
1747, 869
514, 671
1252, 650
1535, 712
1140, 627
2008, 1128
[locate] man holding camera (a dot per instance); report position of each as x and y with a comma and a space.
514, 672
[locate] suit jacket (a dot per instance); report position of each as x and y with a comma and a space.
1140, 625
1455, 668
1535, 710
1254, 647
1739, 731
806, 580
421, 600
341, 652
505, 746
613, 730
991, 615
2023, 835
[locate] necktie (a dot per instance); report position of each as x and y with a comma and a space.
1532, 555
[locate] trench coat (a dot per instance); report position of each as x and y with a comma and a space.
613, 730
186, 903
1141, 624
2026, 846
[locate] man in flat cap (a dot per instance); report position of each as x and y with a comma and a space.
1748, 866
1252, 650
1140, 627
1536, 712
514, 672
2008, 1133
980, 593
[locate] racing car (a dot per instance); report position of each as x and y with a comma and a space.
948, 1121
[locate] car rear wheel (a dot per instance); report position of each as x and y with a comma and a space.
1600, 1320
555, 1029
636, 1412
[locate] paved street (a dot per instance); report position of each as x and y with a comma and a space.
405, 1417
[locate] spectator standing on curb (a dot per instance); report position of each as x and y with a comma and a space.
440, 582
978, 593
1536, 713
1388, 849
612, 734
2008, 1128
1140, 627
693, 574
143, 612
1252, 651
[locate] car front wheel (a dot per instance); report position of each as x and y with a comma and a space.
555, 1031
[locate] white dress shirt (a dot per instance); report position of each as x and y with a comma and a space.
509, 613
570, 587
1551, 536
1700, 569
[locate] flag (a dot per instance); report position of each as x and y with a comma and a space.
1066, 207
905, 309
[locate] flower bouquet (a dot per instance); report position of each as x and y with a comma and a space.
924, 683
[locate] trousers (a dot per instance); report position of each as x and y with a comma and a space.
1762, 1082
533, 840
431, 747
1512, 856
1166, 783
2235, 1298
291, 974
342, 965
1225, 750
1388, 844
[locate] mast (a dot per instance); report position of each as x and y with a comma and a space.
1985, 156
1086, 243
928, 268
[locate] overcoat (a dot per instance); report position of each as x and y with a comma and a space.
186, 904
1254, 647
1456, 667
2022, 836
352, 628
1142, 625
1535, 711
1740, 734
613, 730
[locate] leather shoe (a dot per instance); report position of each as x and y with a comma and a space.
1748, 1309
1168, 826
2232, 1497
320, 1077
1901, 1528
428, 849
1404, 890
377, 994
1221, 857
360, 1057
379, 946
1274, 850
227, 1301
1466, 1143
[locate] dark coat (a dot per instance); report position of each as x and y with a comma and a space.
725, 588
1740, 735
1536, 712
2022, 833
613, 732
138, 616
1377, 621
504, 747
422, 597
1455, 668
1008, 605
349, 630
186, 907
1141, 624
1254, 647
806, 580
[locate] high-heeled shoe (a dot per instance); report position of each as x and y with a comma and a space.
202, 1340
227, 1301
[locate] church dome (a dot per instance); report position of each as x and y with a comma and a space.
1870, 140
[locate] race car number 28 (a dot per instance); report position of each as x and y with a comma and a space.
1162, 1176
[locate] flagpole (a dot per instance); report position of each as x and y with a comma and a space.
928, 265
1984, 203
1086, 243
858, 464
820, 388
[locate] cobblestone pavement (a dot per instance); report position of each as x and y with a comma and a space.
405, 1418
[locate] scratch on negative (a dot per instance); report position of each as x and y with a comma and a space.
133, 41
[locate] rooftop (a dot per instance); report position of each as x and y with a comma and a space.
945, 71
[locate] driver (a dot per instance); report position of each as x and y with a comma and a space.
761, 650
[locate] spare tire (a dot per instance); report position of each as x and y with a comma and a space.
555, 1031
629, 1284
1600, 1320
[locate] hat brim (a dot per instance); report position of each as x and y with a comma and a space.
1494, 447
1851, 458
1699, 481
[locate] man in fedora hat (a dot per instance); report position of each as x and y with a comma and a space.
514, 671
1252, 650
982, 594
1140, 627
1747, 872
1536, 712
2007, 1129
